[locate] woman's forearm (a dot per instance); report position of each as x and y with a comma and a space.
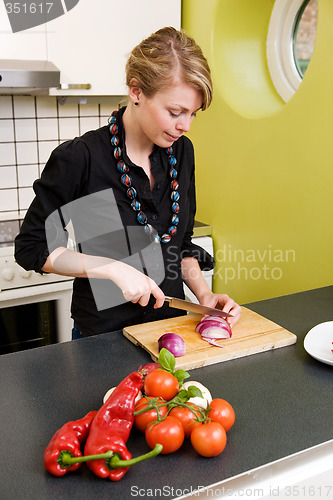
135, 285
69, 263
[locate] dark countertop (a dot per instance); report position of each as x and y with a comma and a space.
282, 399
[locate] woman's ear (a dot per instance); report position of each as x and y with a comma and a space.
135, 91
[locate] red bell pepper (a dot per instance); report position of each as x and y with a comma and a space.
111, 428
67, 440
108, 456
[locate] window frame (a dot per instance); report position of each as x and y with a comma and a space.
282, 64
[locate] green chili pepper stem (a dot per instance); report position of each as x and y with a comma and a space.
67, 458
112, 459
115, 462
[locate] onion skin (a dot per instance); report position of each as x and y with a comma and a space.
212, 328
144, 370
211, 341
173, 343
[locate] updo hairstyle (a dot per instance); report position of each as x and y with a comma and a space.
165, 55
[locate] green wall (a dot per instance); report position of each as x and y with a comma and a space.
264, 167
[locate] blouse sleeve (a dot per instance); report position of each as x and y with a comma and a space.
59, 184
190, 249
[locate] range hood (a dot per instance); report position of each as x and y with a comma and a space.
27, 76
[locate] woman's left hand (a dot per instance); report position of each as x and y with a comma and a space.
225, 303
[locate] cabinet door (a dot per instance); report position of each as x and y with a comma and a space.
27, 44
90, 43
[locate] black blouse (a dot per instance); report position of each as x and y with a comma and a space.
86, 166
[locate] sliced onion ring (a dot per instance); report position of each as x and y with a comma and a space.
212, 328
173, 343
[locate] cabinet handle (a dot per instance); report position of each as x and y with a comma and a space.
75, 86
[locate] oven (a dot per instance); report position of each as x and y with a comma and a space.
34, 308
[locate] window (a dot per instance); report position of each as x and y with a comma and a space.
290, 43
305, 35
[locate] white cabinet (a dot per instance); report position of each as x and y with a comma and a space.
205, 242
28, 44
90, 43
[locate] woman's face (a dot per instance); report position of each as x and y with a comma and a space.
167, 115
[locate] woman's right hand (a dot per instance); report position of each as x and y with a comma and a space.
135, 286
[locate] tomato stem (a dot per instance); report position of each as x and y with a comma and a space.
194, 409
174, 402
152, 404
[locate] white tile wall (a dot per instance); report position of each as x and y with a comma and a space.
6, 107
70, 109
68, 128
6, 130
47, 107
25, 196
27, 174
45, 148
26, 152
7, 177
25, 129
88, 123
30, 128
7, 153
9, 200
24, 107
47, 129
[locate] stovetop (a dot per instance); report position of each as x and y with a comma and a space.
14, 276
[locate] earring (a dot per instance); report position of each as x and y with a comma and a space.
136, 104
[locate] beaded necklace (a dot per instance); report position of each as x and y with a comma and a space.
131, 192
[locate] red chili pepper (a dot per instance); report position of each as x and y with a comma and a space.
111, 428
67, 440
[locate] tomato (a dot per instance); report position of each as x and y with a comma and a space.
186, 417
160, 383
190, 426
209, 439
143, 419
169, 433
222, 412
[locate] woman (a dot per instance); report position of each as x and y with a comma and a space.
143, 159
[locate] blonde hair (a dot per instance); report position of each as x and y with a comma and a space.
164, 55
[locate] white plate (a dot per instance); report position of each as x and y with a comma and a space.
318, 342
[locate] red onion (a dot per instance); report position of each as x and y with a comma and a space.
173, 343
214, 327
144, 370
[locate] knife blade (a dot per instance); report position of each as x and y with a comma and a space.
186, 305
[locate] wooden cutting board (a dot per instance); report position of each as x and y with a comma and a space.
251, 334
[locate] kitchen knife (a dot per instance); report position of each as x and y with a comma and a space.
197, 308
